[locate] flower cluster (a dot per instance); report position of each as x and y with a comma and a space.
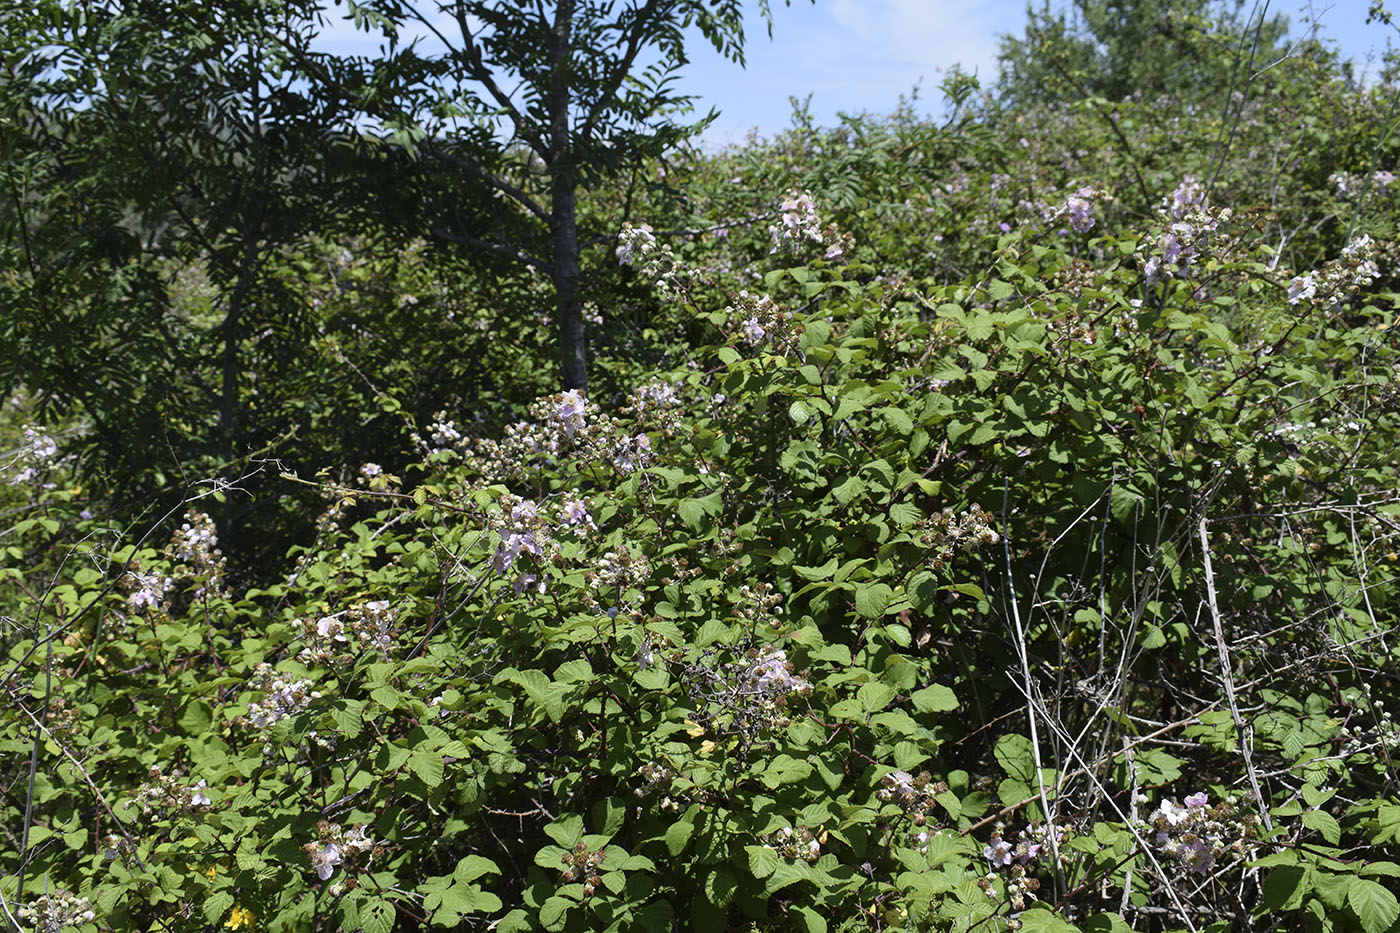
162, 795
746, 697
55, 911
1015, 858
38, 451
621, 569
583, 865
945, 533
654, 261
914, 795
195, 548
759, 603
1349, 185
1079, 209
335, 846
757, 321
1355, 269
800, 844
281, 696
573, 514
1377, 734
1188, 198
522, 530
1197, 835
798, 224
147, 590
630, 453
239, 918
343, 635
563, 423
1189, 223
656, 406
657, 780
772, 675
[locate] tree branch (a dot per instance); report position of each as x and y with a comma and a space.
314, 70
634, 45
500, 249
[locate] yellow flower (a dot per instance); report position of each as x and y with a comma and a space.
240, 917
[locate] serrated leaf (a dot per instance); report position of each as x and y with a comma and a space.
552, 912
874, 696
1373, 903
427, 767
472, 867
1325, 823
872, 599
812, 921
216, 905
1017, 757
762, 860
567, 830
377, 916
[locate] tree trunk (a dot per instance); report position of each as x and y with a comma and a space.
573, 345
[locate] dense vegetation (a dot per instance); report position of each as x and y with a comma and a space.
984, 523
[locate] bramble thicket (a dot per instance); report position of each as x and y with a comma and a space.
984, 523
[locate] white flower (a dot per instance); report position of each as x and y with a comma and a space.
1170, 811
1300, 288
569, 411
998, 852
325, 860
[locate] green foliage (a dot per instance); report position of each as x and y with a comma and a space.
984, 536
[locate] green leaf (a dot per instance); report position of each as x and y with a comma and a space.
1016, 756
935, 698
1325, 823
377, 916
1040, 920
720, 886
785, 769
197, 717
872, 598
567, 830
552, 912
1373, 904
678, 836
812, 921
762, 860
216, 905
874, 696
426, 766
472, 867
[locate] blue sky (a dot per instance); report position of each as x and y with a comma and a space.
862, 55
855, 55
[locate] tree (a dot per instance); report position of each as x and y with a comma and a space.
1116, 49
530, 102
152, 147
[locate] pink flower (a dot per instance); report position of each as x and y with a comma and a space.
325, 861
